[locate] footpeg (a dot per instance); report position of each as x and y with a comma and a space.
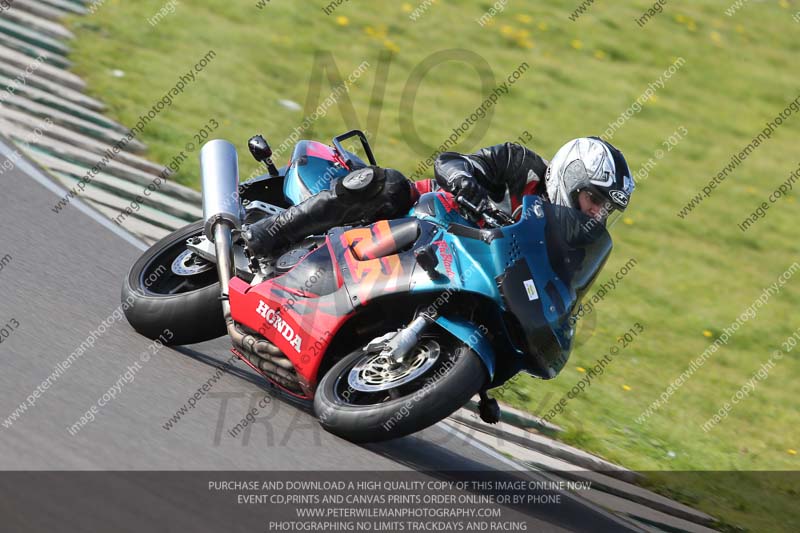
489, 409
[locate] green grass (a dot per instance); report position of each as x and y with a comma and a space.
693, 275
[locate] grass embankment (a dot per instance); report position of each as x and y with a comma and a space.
693, 276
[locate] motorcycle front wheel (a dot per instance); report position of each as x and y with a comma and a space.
171, 288
367, 397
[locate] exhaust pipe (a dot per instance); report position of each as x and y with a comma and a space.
219, 166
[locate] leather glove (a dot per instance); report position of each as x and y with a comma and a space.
470, 189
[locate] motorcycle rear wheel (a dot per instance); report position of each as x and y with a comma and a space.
156, 298
431, 396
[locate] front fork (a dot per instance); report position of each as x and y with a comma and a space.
398, 345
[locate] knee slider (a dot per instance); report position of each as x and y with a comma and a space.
362, 183
379, 192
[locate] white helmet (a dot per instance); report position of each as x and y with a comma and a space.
591, 164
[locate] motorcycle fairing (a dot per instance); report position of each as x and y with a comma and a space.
554, 255
311, 169
301, 325
534, 270
439, 207
302, 318
469, 334
378, 260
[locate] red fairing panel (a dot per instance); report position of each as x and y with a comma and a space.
302, 328
317, 149
424, 186
447, 200
302, 321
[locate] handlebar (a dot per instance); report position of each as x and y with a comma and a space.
486, 211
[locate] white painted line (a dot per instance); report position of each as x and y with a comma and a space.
485, 449
547, 475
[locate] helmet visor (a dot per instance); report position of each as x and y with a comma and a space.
594, 204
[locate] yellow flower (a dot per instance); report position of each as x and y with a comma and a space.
692, 26
525, 43
627, 221
680, 18
790, 451
525, 19
784, 4
707, 333
391, 46
739, 28
576, 44
542, 26
407, 8
626, 388
376, 33
599, 54
507, 30
751, 190
522, 34
381, 31
716, 37
341, 20
581, 369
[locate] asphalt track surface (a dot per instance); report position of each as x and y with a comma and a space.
62, 282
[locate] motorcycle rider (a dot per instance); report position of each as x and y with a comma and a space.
587, 173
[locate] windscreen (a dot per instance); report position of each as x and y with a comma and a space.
565, 251
577, 246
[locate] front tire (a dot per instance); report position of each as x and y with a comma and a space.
375, 416
159, 299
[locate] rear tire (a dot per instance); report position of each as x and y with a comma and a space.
187, 306
392, 418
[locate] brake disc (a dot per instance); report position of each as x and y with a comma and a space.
379, 372
189, 263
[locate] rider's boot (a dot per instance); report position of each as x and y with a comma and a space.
489, 409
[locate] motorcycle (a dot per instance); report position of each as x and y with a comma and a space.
385, 328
